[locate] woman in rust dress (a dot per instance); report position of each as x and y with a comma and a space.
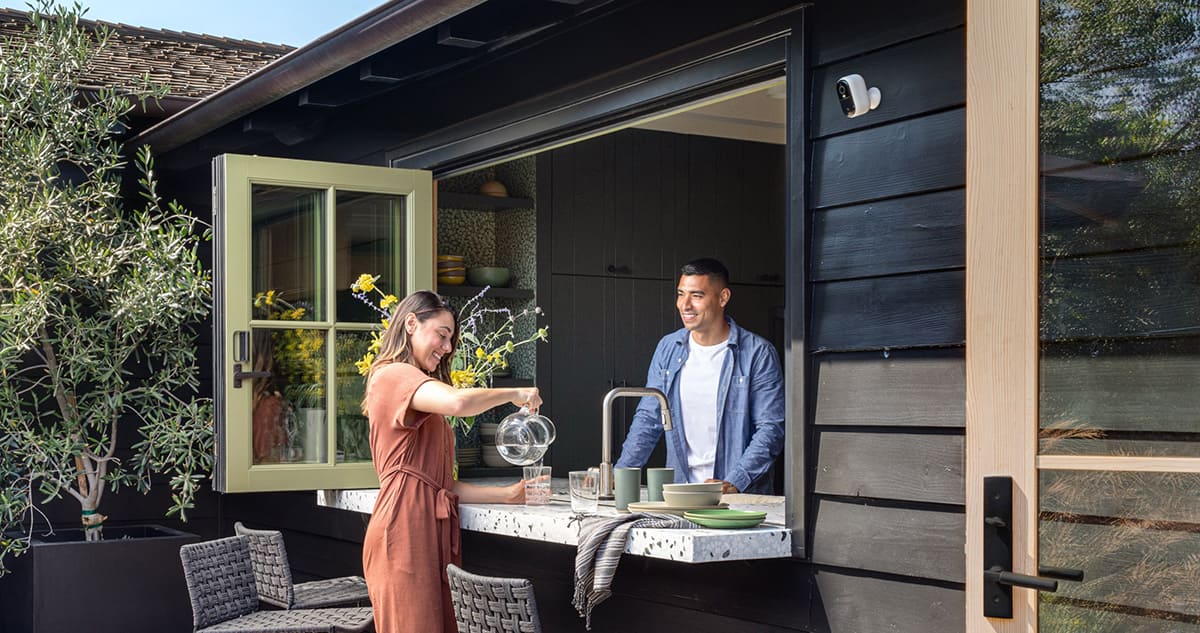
413, 532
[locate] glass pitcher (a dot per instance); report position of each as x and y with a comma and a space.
523, 437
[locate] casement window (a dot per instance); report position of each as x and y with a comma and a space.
290, 237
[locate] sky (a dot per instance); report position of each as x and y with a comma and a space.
291, 22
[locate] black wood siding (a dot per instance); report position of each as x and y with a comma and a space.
887, 322
886, 433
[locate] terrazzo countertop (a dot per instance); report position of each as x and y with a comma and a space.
555, 523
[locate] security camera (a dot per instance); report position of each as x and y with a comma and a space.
854, 96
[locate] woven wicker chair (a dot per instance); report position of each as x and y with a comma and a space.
485, 604
220, 584
273, 577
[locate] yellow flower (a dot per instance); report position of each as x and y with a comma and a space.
479, 353
388, 301
462, 378
364, 283
386, 323
269, 299
364, 364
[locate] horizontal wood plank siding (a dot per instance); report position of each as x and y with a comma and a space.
849, 29
932, 78
859, 602
907, 388
910, 156
897, 235
922, 310
887, 324
925, 467
901, 541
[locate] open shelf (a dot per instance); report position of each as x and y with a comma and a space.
479, 202
494, 293
509, 381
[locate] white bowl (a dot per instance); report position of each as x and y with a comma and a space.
701, 487
691, 499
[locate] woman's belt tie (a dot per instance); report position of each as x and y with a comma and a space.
445, 502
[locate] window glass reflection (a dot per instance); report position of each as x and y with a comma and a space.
1120, 241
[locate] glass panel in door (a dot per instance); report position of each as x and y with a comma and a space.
288, 279
290, 238
1120, 313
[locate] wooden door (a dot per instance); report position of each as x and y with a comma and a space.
1083, 309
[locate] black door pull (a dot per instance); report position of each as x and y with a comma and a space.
1061, 573
1013, 579
239, 375
998, 576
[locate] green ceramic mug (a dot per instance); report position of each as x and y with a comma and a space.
655, 478
627, 487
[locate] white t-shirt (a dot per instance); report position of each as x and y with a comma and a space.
698, 382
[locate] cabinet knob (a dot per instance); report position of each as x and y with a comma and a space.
615, 269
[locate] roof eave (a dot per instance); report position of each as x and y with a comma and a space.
349, 44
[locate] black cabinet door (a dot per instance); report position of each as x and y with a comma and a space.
581, 344
758, 254
649, 195
643, 312
580, 206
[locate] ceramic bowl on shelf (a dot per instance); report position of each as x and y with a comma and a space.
495, 276
454, 279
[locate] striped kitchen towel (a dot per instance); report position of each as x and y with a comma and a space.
602, 540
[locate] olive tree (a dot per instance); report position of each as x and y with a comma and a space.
100, 294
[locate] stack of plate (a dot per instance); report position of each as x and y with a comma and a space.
467, 456
662, 507
725, 519
451, 270
492, 458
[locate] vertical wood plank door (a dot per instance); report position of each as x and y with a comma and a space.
1083, 313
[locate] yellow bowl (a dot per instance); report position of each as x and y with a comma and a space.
451, 281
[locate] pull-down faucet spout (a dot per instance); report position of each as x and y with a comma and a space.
606, 473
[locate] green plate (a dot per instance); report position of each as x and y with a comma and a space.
725, 519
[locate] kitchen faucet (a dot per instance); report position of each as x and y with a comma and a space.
606, 469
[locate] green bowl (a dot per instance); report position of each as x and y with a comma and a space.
495, 276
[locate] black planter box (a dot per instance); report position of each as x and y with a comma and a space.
130, 582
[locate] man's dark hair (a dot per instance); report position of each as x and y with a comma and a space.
706, 266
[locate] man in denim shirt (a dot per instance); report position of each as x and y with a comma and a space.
725, 389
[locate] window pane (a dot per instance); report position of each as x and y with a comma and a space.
352, 431
370, 240
1135, 536
1120, 238
289, 246
289, 406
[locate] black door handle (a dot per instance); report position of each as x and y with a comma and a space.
998, 577
615, 269
1061, 573
1013, 579
239, 375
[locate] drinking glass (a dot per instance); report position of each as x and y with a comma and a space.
584, 485
537, 485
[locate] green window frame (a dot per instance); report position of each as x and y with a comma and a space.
238, 181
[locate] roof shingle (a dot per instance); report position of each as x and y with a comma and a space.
189, 64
